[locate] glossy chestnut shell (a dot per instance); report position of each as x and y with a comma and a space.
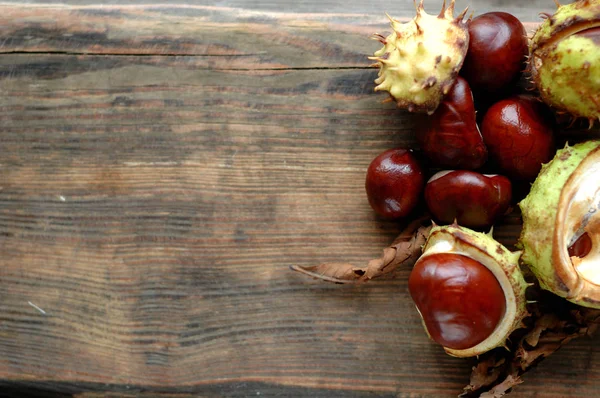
451, 138
471, 199
581, 247
519, 135
460, 300
394, 183
469, 290
497, 50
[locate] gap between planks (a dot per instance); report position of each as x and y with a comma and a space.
182, 55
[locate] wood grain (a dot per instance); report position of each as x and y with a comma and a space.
223, 38
524, 10
159, 172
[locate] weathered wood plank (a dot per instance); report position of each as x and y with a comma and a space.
526, 11
150, 205
226, 38
257, 40
152, 211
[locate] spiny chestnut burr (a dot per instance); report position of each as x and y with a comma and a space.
468, 289
451, 137
420, 59
497, 52
394, 183
564, 59
519, 135
471, 199
561, 225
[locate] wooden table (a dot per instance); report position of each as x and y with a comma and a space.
162, 166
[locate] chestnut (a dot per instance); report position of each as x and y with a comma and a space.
519, 135
451, 138
581, 247
497, 50
460, 300
394, 183
469, 290
560, 238
471, 199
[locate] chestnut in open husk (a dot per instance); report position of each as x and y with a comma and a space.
561, 225
469, 290
565, 59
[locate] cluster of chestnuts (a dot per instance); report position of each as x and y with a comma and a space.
487, 137
484, 134
478, 159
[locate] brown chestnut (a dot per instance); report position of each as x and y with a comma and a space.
519, 135
460, 300
394, 183
471, 199
581, 247
497, 50
451, 138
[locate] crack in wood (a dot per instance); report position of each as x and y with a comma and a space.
168, 55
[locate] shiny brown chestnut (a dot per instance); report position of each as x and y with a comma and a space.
451, 138
469, 290
581, 247
497, 51
394, 183
460, 300
471, 199
519, 135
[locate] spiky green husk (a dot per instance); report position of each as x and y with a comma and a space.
565, 65
503, 263
547, 224
565, 17
420, 60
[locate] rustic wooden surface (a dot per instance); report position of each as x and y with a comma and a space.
160, 169
525, 10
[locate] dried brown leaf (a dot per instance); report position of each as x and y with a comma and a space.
485, 373
587, 316
553, 323
333, 272
502, 388
546, 321
404, 251
528, 358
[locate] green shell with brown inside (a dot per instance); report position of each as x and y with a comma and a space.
565, 59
